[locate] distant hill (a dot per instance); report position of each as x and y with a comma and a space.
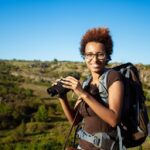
49, 71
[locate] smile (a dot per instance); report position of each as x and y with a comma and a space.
95, 65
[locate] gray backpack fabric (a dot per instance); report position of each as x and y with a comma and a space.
102, 86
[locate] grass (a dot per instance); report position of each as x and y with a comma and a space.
49, 135
39, 90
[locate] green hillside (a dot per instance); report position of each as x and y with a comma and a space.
29, 118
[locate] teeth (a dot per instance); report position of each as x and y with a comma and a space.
95, 65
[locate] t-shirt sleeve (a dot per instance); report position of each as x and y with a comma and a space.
112, 77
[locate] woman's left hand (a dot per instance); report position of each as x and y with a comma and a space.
73, 84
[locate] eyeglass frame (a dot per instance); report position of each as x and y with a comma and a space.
96, 54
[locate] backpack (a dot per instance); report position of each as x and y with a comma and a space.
133, 127
134, 117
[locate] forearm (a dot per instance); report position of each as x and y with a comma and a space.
69, 113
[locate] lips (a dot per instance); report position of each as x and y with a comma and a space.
95, 66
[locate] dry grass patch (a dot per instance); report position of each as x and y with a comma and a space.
38, 90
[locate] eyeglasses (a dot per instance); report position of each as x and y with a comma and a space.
99, 56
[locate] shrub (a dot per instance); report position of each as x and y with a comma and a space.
3, 90
52, 109
31, 127
4, 124
5, 108
20, 131
36, 127
42, 114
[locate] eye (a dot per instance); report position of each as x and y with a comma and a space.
101, 54
89, 55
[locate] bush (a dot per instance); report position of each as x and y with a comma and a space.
6, 147
3, 90
20, 131
31, 127
4, 124
42, 114
36, 127
5, 108
52, 109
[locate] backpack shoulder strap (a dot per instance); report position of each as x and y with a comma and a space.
103, 89
86, 82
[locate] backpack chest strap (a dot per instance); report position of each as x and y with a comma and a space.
99, 139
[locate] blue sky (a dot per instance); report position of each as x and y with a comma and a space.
48, 29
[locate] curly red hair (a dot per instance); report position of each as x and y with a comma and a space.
100, 35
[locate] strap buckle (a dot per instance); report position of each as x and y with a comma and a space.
96, 142
94, 139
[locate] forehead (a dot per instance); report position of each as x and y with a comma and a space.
94, 47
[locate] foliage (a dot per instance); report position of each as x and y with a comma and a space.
21, 129
42, 114
5, 108
37, 127
29, 118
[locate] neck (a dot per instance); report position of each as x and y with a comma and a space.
95, 76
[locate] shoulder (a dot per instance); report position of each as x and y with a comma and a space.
114, 73
113, 76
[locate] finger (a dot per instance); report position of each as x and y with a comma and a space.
58, 80
71, 78
72, 84
69, 83
67, 86
64, 81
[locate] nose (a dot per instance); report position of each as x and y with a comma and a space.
95, 58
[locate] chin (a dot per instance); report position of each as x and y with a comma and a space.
96, 70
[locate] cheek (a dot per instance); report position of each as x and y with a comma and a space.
87, 64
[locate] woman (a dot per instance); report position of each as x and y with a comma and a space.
99, 116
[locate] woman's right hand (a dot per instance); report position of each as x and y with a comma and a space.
72, 84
